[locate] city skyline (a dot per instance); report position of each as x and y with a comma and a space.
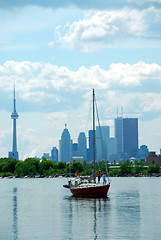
56, 52
106, 148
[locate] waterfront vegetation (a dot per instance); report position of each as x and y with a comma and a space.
32, 167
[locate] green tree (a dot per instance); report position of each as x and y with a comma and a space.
2, 160
153, 168
47, 164
77, 166
61, 165
138, 166
9, 166
125, 168
28, 167
20, 169
33, 163
114, 172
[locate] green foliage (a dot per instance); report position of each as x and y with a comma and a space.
101, 165
32, 166
114, 172
60, 165
47, 164
9, 166
125, 168
3, 160
1, 166
26, 167
20, 169
77, 167
153, 168
138, 166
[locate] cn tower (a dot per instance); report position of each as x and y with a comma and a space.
14, 116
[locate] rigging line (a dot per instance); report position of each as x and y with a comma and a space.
86, 128
88, 118
103, 150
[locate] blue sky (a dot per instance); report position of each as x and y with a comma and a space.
57, 51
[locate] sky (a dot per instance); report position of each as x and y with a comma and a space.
56, 52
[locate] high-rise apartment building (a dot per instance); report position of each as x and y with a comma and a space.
102, 138
14, 116
82, 145
65, 146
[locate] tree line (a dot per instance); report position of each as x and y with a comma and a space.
32, 166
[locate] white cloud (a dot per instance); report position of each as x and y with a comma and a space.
63, 96
56, 119
39, 82
151, 102
101, 29
5, 133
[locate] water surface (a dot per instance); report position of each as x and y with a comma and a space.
42, 209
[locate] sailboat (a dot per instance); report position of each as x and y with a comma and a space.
89, 188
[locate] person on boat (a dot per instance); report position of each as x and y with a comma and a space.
99, 176
104, 178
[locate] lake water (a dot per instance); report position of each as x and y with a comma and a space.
42, 209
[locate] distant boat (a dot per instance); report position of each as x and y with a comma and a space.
88, 187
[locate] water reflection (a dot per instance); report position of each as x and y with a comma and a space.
128, 214
95, 220
88, 217
15, 218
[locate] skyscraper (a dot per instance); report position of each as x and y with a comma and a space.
74, 149
111, 149
82, 145
65, 146
54, 154
130, 136
119, 134
102, 138
126, 133
14, 116
91, 150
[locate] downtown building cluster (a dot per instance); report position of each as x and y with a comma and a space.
123, 146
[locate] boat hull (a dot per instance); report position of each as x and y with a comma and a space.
92, 191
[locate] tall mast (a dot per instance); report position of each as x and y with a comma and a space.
94, 152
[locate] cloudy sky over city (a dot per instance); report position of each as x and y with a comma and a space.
57, 51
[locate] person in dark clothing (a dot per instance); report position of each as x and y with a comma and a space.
99, 176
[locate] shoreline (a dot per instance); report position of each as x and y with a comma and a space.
67, 176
